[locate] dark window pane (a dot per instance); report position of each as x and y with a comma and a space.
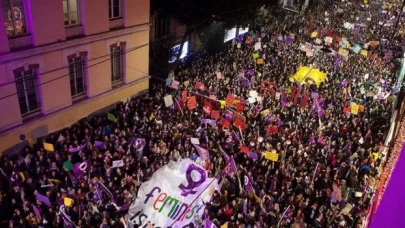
116, 11
27, 91
18, 15
76, 75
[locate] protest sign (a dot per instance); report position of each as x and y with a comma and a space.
219, 75
215, 114
229, 100
174, 194
175, 84
168, 100
118, 163
49, 147
191, 103
201, 99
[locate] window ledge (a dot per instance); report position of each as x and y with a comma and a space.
116, 23
78, 98
20, 42
116, 84
74, 31
31, 115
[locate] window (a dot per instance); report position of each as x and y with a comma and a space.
26, 83
77, 76
114, 9
162, 26
71, 12
116, 64
14, 17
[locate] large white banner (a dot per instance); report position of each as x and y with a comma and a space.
173, 197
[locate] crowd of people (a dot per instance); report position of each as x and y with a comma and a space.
328, 154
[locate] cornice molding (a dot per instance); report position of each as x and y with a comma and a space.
15, 55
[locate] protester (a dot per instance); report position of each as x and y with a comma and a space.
327, 154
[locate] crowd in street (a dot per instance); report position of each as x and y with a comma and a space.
327, 136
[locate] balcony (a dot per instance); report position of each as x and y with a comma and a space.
20, 42
74, 31
116, 24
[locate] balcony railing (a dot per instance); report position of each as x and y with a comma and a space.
116, 24
20, 42
74, 31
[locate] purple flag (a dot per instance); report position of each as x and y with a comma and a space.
103, 188
99, 144
124, 207
139, 143
36, 211
203, 153
43, 199
312, 140
68, 222
80, 169
226, 156
208, 224
253, 155
244, 207
234, 136
248, 185
314, 95
344, 82
77, 149
228, 117
209, 121
288, 40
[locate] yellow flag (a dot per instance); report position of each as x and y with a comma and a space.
354, 109
22, 176
222, 103
363, 52
314, 34
225, 225
265, 112
67, 201
271, 156
49, 147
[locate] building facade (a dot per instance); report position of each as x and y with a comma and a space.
165, 26
61, 60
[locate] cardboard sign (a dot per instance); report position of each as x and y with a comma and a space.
168, 100
175, 84
240, 107
225, 123
244, 149
200, 86
215, 114
207, 108
49, 147
184, 96
192, 103
260, 61
219, 75
201, 99
229, 100
195, 141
